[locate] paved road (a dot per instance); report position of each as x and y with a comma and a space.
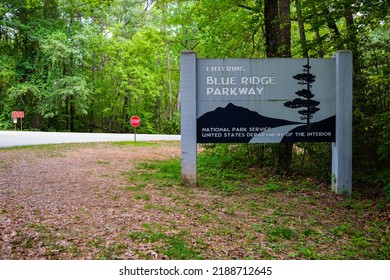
23, 138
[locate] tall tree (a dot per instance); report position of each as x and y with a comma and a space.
301, 27
278, 44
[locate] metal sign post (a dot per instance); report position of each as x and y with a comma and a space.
135, 121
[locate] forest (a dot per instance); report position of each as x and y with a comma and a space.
89, 65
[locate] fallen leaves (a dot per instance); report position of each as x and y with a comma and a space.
72, 204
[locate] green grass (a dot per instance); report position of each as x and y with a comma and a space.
167, 172
133, 144
173, 245
294, 218
281, 232
38, 234
145, 197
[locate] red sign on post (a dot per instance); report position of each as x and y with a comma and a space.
17, 114
135, 121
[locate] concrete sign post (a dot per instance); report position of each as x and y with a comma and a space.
270, 100
342, 147
188, 117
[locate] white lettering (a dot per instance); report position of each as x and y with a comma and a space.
243, 91
265, 80
234, 91
220, 129
234, 134
260, 90
211, 135
251, 92
210, 80
259, 129
255, 80
229, 68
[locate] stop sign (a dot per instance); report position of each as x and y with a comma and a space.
135, 121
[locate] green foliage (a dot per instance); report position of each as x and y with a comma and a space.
313, 159
7, 70
94, 64
387, 190
89, 65
21, 97
282, 232
172, 126
384, 147
220, 167
232, 160
166, 172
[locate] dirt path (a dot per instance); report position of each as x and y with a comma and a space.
69, 203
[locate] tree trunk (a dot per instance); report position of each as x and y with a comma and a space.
72, 114
301, 26
333, 26
285, 152
352, 41
272, 30
67, 114
284, 50
319, 43
278, 44
125, 111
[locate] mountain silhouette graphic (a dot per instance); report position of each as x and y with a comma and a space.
231, 124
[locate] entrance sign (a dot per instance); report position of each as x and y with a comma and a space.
268, 101
265, 100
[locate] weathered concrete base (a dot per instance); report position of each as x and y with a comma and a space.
342, 148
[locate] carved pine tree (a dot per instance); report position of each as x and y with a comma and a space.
309, 106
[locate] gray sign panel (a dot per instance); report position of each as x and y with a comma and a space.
265, 100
